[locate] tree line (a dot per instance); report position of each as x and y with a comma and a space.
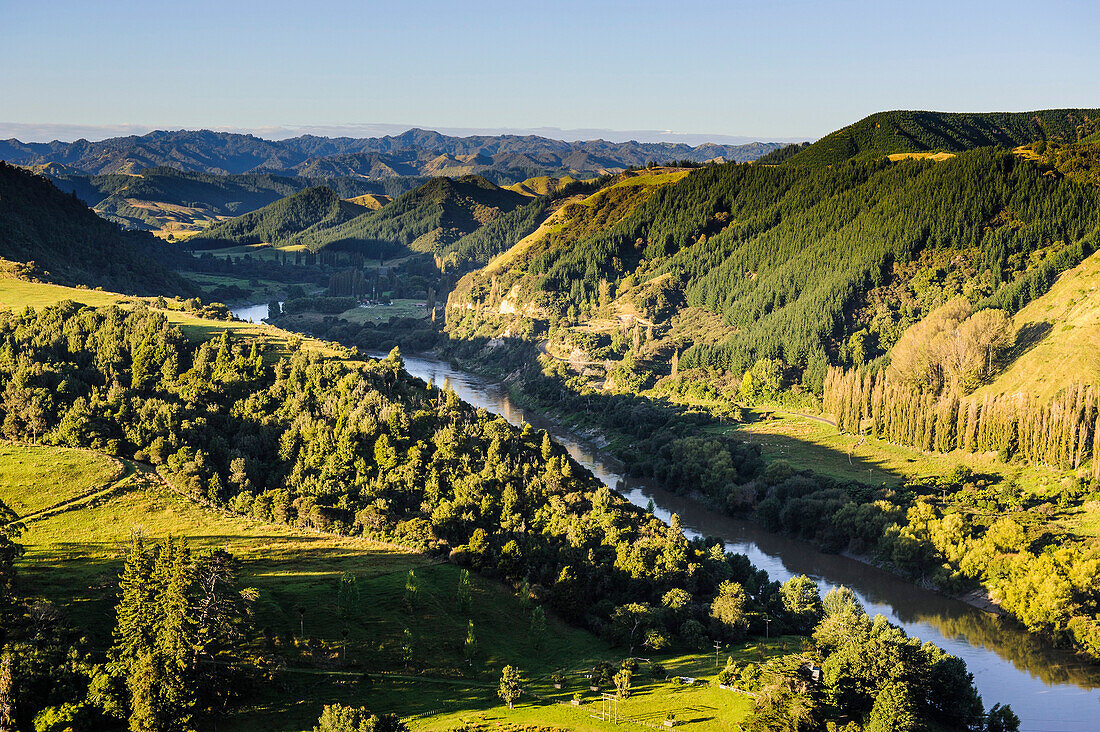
1062, 432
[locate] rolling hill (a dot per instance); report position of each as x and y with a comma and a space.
426, 219
170, 201
795, 262
300, 214
1058, 341
885, 133
69, 244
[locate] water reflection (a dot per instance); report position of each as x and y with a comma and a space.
1049, 689
253, 313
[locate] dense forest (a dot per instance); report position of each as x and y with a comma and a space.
344, 446
359, 447
55, 237
300, 214
787, 255
426, 219
886, 133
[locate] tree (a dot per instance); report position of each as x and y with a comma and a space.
509, 689
728, 608
729, 675
1002, 719
412, 588
629, 623
9, 552
7, 696
893, 710
622, 683
407, 647
340, 718
802, 601
538, 627
463, 596
347, 596
470, 645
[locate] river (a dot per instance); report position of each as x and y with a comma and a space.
1050, 689
253, 313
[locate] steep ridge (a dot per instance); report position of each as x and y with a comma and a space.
310, 211
885, 133
423, 220
69, 244
797, 262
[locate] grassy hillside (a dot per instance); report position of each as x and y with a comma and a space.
69, 244
540, 185
17, 294
72, 561
373, 201
301, 214
886, 133
1058, 340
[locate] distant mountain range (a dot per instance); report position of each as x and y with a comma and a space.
412, 153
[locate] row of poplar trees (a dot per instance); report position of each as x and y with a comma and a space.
1063, 432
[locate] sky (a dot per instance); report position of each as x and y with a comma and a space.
688, 70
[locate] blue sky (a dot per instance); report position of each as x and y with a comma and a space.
765, 70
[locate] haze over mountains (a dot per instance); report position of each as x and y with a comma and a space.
415, 152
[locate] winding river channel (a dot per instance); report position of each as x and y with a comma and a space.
1050, 689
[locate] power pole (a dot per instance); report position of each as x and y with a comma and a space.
717, 651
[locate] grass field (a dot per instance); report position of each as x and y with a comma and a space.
809, 444
73, 560
35, 478
937, 156
262, 290
17, 294
385, 313
1061, 337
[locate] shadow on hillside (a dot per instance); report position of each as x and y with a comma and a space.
821, 459
1027, 337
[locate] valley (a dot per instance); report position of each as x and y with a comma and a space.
626, 420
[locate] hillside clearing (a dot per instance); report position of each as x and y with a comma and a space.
1059, 334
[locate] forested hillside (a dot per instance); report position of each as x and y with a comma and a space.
67, 243
358, 447
302, 214
427, 219
886, 133
791, 259
183, 202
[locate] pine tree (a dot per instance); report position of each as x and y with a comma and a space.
135, 615
464, 597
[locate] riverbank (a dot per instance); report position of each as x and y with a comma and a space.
978, 598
